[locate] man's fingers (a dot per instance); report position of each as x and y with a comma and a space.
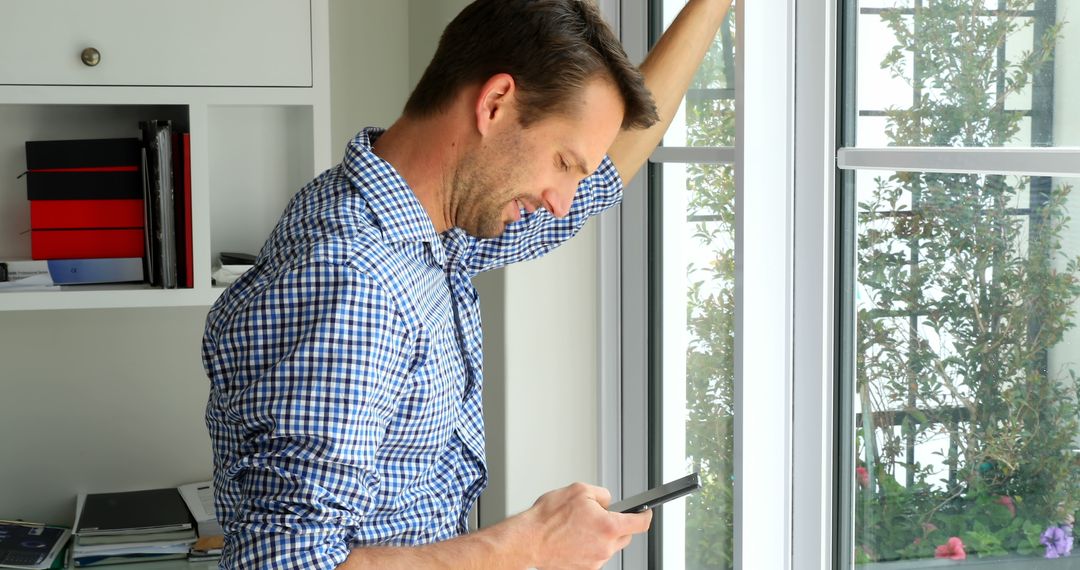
633, 523
600, 495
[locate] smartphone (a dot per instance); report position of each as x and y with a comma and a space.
658, 495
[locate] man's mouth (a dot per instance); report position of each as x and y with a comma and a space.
515, 208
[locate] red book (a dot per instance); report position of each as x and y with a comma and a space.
85, 214
86, 244
181, 159
189, 277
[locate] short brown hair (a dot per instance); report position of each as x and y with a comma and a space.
551, 48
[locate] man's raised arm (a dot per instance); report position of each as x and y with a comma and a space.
668, 70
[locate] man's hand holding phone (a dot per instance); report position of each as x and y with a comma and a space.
575, 529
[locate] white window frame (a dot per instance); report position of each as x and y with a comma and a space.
767, 306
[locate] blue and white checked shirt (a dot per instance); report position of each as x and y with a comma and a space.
345, 368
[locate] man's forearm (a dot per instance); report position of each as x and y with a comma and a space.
505, 545
565, 527
668, 70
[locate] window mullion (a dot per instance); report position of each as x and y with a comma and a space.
693, 155
1018, 161
763, 290
814, 372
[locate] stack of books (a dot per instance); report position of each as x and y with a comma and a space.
133, 526
120, 208
200, 501
86, 198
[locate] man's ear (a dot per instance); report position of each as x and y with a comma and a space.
494, 101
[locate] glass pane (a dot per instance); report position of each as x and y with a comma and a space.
698, 361
967, 368
696, 333
970, 73
706, 116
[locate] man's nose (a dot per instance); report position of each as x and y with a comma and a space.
558, 201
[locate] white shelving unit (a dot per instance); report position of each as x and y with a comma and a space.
255, 98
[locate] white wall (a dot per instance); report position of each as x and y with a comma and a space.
98, 400
552, 376
369, 71
109, 400
427, 19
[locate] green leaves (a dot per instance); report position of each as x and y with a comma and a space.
964, 288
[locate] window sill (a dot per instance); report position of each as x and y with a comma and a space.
1009, 563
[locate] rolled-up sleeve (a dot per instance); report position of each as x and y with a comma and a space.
304, 382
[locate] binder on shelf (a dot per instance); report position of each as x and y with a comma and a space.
149, 253
157, 138
189, 247
181, 159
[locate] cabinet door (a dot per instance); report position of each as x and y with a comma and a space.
156, 42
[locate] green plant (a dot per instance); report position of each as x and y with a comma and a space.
710, 356
962, 297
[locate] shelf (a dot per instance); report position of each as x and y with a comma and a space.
258, 157
106, 297
57, 122
247, 162
111, 95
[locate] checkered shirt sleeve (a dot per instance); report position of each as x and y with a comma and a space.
540, 232
323, 346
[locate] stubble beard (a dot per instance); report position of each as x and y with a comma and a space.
478, 199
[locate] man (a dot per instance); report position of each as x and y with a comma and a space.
345, 366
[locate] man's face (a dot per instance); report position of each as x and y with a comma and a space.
515, 169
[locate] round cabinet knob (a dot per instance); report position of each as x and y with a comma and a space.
91, 56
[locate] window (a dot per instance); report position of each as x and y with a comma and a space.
692, 200
690, 328
960, 423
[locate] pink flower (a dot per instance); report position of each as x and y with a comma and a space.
862, 476
953, 550
1007, 501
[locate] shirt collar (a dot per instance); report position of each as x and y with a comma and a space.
399, 213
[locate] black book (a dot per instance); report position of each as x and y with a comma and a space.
157, 138
92, 169
133, 512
